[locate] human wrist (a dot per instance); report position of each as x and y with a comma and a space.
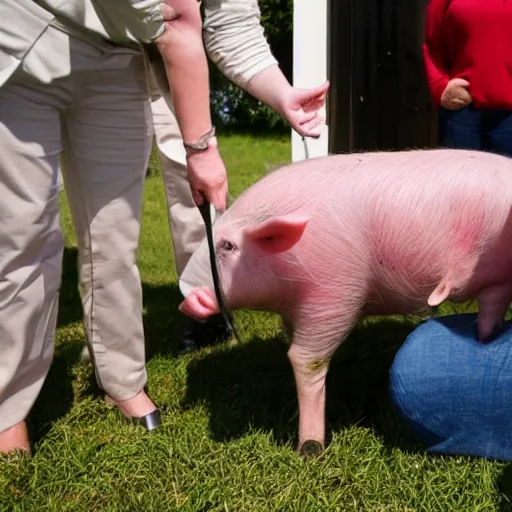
203, 145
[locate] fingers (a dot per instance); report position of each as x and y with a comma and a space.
462, 97
313, 128
219, 198
456, 86
460, 82
216, 196
318, 92
455, 103
308, 124
313, 99
465, 96
306, 117
302, 109
198, 197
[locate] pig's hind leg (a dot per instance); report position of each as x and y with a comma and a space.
492, 307
314, 341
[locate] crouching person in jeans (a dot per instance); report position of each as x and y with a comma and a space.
454, 391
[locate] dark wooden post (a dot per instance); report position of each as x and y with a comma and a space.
379, 97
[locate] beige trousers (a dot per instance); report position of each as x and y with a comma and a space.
185, 222
98, 118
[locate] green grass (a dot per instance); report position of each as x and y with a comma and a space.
230, 412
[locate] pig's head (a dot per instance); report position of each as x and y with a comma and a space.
253, 255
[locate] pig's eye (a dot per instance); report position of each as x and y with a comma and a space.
227, 246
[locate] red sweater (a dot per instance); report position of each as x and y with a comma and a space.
470, 39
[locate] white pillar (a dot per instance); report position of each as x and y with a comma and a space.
310, 50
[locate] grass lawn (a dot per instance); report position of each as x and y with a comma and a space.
230, 413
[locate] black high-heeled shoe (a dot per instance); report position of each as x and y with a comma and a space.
150, 421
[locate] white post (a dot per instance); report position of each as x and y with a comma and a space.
310, 64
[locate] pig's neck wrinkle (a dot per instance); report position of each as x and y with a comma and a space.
272, 301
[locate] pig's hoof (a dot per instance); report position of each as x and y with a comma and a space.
311, 448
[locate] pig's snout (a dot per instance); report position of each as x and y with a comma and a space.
199, 303
196, 285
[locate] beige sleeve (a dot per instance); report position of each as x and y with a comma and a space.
234, 39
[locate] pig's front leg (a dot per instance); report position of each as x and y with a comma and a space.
309, 354
310, 371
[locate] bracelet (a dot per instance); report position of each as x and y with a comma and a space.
201, 144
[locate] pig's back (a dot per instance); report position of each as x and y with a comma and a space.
387, 215
445, 196
402, 184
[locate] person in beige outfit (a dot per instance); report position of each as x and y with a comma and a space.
73, 86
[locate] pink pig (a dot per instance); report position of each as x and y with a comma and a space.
325, 241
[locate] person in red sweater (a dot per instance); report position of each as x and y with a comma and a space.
467, 51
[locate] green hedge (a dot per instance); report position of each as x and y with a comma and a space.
235, 110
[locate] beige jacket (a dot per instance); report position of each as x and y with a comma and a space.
233, 34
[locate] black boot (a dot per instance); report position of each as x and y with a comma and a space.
196, 334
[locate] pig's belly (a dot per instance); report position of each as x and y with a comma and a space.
390, 306
406, 306
390, 302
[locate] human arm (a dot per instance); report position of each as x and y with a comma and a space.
183, 53
235, 41
300, 107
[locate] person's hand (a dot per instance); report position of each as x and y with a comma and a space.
456, 95
207, 177
301, 108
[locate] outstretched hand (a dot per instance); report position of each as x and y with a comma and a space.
301, 108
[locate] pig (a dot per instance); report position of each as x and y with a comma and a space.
326, 241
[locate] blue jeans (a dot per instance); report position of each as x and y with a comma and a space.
455, 392
469, 128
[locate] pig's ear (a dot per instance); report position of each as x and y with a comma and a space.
277, 234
